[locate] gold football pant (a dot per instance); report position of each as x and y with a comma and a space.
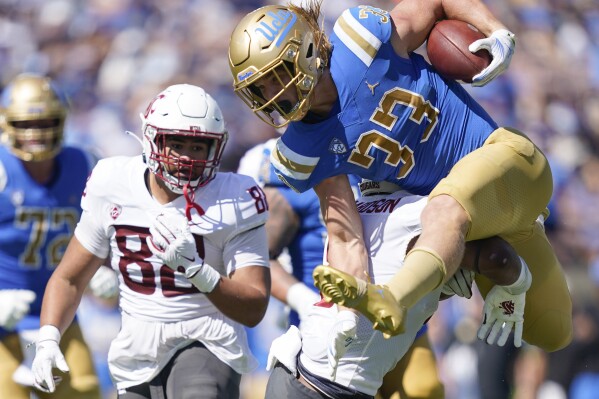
504, 186
80, 383
415, 376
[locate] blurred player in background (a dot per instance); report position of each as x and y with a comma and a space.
341, 355
295, 224
361, 101
189, 245
41, 182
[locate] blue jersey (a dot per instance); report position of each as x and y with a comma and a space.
37, 222
307, 247
396, 119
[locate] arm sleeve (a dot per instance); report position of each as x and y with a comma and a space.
249, 248
90, 230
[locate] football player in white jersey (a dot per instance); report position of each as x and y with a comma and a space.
294, 223
189, 247
340, 355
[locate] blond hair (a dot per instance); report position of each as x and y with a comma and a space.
310, 12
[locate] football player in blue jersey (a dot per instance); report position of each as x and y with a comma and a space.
295, 223
41, 182
363, 102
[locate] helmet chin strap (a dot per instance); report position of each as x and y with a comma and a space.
190, 204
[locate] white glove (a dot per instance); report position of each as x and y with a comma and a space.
504, 310
104, 284
301, 299
48, 356
171, 241
15, 305
284, 350
341, 335
501, 46
459, 284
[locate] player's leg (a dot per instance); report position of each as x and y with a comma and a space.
195, 372
81, 382
507, 203
10, 358
415, 376
498, 189
548, 310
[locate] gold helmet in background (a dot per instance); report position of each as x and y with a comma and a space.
284, 42
32, 118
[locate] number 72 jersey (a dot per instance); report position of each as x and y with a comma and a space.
396, 118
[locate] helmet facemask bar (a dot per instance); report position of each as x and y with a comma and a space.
283, 70
34, 143
160, 160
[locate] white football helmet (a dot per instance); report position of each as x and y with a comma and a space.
183, 110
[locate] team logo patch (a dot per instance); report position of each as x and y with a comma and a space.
17, 197
337, 147
115, 211
508, 308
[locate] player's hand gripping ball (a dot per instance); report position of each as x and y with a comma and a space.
447, 49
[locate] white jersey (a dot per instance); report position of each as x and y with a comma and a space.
256, 161
390, 222
117, 213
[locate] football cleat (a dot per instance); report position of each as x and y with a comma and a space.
374, 301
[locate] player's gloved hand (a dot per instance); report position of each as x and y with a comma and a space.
171, 241
301, 299
341, 335
15, 305
48, 356
284, 350
104, 284
504, 310
501, 46
459, 284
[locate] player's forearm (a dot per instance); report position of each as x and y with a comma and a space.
346, 249
243, 298
60, 303
281, 281
474, 12
348, 255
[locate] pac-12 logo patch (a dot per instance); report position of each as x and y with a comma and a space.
115, 211
337, 147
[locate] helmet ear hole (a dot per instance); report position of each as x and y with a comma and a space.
310, 51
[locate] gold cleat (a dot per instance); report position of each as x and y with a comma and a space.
374, 301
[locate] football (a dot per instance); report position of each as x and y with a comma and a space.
447, 49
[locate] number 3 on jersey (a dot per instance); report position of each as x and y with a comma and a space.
384, 117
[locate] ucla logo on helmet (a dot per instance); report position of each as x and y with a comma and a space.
282, 21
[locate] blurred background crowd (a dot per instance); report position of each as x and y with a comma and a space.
110, 57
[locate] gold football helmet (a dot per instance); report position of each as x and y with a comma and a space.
285, 42
32, 118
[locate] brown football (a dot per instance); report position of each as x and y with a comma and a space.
447, 49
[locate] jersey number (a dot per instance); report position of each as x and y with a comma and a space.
138, 273
384, 117
258, 195
40, 221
